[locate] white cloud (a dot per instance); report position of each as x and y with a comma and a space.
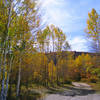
59, 13
70, 16
78, 44
47, 3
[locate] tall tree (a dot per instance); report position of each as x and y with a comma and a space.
5, 40
93, 32
93, 29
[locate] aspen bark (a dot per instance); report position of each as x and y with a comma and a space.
19, 78
8, 76
3, 79
5, 52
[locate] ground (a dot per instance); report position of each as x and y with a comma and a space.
79, 91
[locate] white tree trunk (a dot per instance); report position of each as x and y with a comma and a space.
0, 65
8, 76
53, 46
5, 51
3, 80
19, 78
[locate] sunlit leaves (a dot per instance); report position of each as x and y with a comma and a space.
52, 71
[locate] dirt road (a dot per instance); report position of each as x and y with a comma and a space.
81, 91
60, 97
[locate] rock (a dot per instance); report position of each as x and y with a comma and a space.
68, 93
81, 85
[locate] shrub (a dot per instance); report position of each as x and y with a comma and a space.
68, 81
93, 79
84, 80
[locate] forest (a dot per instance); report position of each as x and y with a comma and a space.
31, 53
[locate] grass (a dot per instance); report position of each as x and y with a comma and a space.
36, 91
58, 89
25, 93
95, 86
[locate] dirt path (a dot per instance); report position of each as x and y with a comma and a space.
80, 91
59, 97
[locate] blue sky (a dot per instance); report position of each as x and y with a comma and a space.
70, 16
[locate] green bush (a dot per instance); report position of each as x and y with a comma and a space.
68, 81
84, 80
93, 79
